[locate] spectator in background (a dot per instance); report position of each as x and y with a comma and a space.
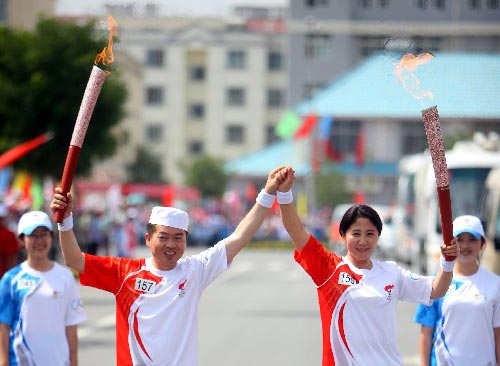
40, 305
96, 236
9, 246
463, 327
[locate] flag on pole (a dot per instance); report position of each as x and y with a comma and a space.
332, 153
306, 128
325, 127
287, 125
17, 152
359, 151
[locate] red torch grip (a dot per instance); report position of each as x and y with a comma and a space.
67, 177
446, 216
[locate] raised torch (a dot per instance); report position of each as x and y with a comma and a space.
94, 86
436, 147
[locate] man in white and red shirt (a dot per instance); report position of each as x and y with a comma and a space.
157, 297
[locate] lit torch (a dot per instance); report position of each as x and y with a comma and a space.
89, 100
404, 71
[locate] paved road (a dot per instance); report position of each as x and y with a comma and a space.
263, 311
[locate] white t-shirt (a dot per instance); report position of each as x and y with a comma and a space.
38, 306
463, 321
157, 311
358, 307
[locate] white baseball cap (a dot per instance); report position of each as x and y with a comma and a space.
169, 216
468, 224
31, 220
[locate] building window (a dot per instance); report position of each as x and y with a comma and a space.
314, 3
474, 4
271, 135
365, 3
426, 44
197, 110
422, 4
154, 58
235, 134
236, 59
3, 11
317, 45
440, 4
274, 98
154, 133
310, 89
195, 148
235, 97
492, 4
197, 73
345, 135
413, 139
154, 95
274, 61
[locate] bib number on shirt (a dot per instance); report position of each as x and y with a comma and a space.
144, 285
346, 279
26, 284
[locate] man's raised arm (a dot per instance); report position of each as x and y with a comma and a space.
73, 256
247, 228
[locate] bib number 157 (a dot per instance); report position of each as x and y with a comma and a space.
144, 285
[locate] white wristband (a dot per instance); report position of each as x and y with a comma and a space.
67, 223
265, 199
284, 198
446, 266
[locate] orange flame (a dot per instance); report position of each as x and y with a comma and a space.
106, 57
404, 72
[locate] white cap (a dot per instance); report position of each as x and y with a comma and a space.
3, 210
468, 224
169, 216
31, 220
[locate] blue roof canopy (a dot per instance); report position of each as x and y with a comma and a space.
260, 163
464, 85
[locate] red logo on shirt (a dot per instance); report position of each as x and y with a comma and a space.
388, 289
182, 291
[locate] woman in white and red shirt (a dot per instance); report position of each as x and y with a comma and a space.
358, 294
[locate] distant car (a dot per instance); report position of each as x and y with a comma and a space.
386, 242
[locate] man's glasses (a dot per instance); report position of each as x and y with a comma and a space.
43, 236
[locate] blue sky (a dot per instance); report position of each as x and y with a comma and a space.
167, 7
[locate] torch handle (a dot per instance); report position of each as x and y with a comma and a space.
67, 177
446, 216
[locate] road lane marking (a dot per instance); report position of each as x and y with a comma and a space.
101, 323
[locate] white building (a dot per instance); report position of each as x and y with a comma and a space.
200, 85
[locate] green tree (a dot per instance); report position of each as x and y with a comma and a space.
330, 189
146, 168
43, 76
207, 174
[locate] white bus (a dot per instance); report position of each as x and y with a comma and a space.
403, 218
490, 214
469, 165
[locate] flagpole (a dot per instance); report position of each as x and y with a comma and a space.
314, 167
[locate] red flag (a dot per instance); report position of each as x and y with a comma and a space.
333, 154
359, 152
358, 198
19, 151
306, 127
316, 156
